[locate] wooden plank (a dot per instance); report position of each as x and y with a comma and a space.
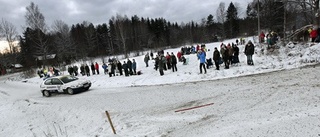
194, 107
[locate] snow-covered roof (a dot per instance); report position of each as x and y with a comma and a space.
51, 56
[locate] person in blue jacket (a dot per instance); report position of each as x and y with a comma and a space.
202, 58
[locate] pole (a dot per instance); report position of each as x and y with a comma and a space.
317, 12
109, 119
259, 21
284, 21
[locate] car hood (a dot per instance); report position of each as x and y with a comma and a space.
77, 82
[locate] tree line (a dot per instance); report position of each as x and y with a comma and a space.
127, 35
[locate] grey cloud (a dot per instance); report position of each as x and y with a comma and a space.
100, 11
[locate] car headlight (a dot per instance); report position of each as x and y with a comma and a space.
76, 86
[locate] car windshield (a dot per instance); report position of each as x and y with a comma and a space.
67, 79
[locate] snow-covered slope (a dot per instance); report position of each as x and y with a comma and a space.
271, 98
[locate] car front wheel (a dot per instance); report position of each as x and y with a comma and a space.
46, 93
70, 91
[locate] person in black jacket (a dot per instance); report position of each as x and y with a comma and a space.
173, 60
156, 62
134, 67
235, 54
82, 70
225, 57
119, 65
216, 57
112, 69
87, 70
75, 70
161, 64
70, 70
129, 63
249, 51
125, 68
93, 69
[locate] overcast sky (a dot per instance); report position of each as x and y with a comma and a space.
100, 11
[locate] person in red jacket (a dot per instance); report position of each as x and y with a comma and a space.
179, 54
313, 35
198, 48
262, 37
168, 60
97, 67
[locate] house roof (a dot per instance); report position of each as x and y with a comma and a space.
51, 56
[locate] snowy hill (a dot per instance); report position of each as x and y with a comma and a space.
291, 56
271, 98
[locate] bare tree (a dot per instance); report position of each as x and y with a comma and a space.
305, 9
119, 24
60, 27
221, 17
308, 7
90, 36
221, 12
8, 30
35, 20
63, 40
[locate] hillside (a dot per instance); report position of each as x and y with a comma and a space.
278, 96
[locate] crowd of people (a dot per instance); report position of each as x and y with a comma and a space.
48, 72
163, 63
116, 67
228, 55
271, 38
113, 68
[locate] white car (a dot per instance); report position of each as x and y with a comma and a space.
63, 84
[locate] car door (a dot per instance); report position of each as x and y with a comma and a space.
58, 84
49, 86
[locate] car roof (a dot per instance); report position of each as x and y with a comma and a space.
59, 77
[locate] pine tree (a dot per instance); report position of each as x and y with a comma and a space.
232, 22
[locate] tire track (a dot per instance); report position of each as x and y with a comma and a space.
4, 93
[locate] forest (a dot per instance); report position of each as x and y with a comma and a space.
123, 35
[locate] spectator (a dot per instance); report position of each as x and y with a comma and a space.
75, 70
105, 68
129, 63
216, 58
173, 61
97, 68
125, 68
249, 51
262, 37
146, 59
313, 35
87, 70
202, 58
93, 69
134, 66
